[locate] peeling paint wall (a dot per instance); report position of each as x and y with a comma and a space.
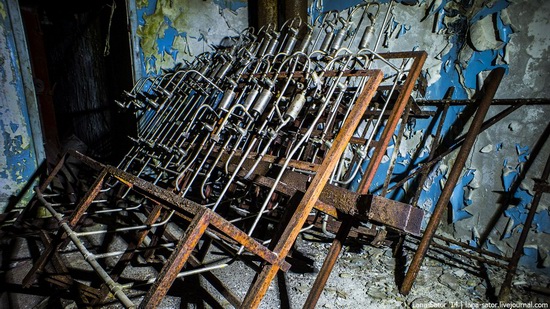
464, 41
18, 156
172, 31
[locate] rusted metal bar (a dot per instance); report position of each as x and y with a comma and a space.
396, 144
393, 120
42, 188
176, 202
89, 257
395, 214
366, 181
334, 200
127, 257
435, 141
61, 236
504, 293
328, 264
157, 235
63, 279
475, 249
177, 260
478, 258
86, 160
209, 276
458, 142
262, 282
54, 172
487, 94
495, 102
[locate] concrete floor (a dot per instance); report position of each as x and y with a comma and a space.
364, 277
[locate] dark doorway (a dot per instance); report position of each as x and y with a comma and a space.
80, 56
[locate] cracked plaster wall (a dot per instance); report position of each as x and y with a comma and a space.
17, 153
172, 31
464, 41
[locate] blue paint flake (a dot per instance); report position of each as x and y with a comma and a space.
542, 221
509, 176
458, 200
146, 11
166, 42
530, 256
480, 61
232, 5
491, 247
403, 30
14, 127
522, 198
523, 153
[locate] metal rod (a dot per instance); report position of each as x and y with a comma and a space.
88, 256
488, 91
504, 293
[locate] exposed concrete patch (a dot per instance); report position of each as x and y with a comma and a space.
538, 29
528, 50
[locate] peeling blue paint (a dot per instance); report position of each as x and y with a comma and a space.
509, 176
14, 127
523, 153
530, 257
490, 246
543, 221
16, 138
166, 42
480, 61
452, 74
458, 200
147, 10
232, 5
519, 213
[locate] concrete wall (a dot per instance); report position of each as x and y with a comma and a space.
19, 121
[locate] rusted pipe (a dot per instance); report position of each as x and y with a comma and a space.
487, 94
328, 264
266, 12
